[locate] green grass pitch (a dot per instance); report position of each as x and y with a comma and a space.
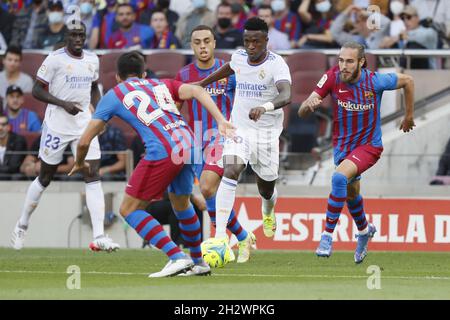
41, 274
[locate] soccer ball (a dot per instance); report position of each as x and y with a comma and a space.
215, 253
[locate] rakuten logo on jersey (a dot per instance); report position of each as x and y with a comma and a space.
350, 106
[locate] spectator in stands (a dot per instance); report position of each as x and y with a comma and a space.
227, 37
56, 29
287, 21
9, 143
131, 35
363, 4
425, 38
239, 12
112, 166
397, 25
163, 38
316, 17
87, 16
104, 25
362, 32
435, 14
12, 74
20, 119
277, 40
29, 25
6, 24
199, 15
31, 166
161, 5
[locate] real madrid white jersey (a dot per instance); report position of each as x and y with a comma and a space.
256, 85
69, 78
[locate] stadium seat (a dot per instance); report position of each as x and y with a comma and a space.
107, 80
108, 62
30, 137
303, 83
165, 64
307, 61
31, 62
35, 105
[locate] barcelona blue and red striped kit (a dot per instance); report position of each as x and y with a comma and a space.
356, 109
222, 92
291, 25
148, 106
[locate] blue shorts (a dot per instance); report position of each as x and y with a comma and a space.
184, 181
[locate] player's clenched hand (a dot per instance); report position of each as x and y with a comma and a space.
407, 124
79, 168
256, 113
227, 129
72, 107
312, 104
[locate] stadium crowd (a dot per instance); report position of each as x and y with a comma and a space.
167, 24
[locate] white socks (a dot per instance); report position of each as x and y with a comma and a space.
95, 202
267, 205
224, 204
31, 201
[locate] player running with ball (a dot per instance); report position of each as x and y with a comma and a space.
263, 87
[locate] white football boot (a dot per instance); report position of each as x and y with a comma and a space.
201, 269
245, 247
18, 236
174, 267
103, 243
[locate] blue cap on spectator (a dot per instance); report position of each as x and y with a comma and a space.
13, 88
55, 4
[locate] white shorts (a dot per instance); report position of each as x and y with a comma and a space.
53, 145
260, 148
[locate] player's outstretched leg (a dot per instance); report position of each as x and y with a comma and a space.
366, 230
191, 232
336, 201
150, 229
34, 192
95, 202
247, 240
269, 195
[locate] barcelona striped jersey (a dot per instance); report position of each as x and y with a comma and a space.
148, 105
356, 108
222, 92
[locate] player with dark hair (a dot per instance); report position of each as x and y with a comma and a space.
67, 81
148, 105
204, 126
357, 143
263, 87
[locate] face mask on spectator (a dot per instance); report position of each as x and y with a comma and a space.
323, 6
197, 4
55, 17
278, 5
397, 7
224, 23
86, 8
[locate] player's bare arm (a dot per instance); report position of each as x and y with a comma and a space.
189, 91
406, 82
95, 94
224, 72
283, 99
310, 105
40, 93
93, 129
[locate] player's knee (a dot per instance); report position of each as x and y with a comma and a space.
339, 180
207, 190
266, 193
45, 179
232, 172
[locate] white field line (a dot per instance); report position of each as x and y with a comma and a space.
241, 275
